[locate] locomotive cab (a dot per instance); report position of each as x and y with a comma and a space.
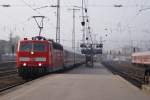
33, 55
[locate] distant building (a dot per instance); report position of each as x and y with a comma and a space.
128, 50
8, 47
4, 47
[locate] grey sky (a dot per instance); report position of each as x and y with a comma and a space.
126, 23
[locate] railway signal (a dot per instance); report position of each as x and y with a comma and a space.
91, 48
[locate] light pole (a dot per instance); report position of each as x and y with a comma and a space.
58, 22
73, 31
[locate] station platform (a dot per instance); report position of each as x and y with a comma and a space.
77, 86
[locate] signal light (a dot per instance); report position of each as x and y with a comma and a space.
87, 38
83, 23
99, 46
86, 10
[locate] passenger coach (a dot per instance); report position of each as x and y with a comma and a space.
142, 59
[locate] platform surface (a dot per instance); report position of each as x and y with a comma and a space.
77, 84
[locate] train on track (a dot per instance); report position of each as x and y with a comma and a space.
39, 55
142, 59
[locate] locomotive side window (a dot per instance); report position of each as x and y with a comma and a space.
57, 46
25, 46
39, 47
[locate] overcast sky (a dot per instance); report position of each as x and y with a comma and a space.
124, 24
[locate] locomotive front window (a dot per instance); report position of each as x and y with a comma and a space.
25, 46
39, 47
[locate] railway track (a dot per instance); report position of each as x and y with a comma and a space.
135, 76
7, 72
10, 82
7, 68
10, 86
8, 76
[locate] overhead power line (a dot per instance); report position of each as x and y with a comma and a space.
70, 5
30, 7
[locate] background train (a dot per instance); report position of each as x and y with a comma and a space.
40, 56
142, 59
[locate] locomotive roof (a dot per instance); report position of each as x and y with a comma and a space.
38, 38
43, 39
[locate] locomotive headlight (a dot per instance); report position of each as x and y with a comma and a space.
32, 52
24, 64
40, 59
24, 59
40, 64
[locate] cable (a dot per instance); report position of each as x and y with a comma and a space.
30, 7
33, 8
69, 2
53, 1
64, 1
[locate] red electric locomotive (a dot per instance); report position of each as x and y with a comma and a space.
39, 56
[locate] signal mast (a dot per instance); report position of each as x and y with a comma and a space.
88, 47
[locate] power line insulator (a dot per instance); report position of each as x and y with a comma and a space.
7, 5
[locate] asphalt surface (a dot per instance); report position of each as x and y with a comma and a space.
97, 69
82, 83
